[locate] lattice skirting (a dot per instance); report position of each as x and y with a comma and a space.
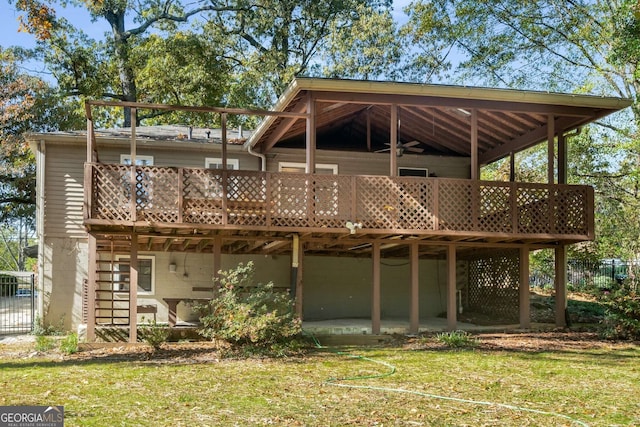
493, 284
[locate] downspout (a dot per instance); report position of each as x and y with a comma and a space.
263, 158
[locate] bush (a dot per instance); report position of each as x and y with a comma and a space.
154, 334
248, 314
69, 344
622, 313
44, 343
457, 339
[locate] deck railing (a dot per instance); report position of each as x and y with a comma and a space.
120, 194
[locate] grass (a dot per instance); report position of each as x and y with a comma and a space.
597, 386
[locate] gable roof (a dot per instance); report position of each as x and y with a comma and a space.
437, 116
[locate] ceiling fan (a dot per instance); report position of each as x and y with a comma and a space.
402, 147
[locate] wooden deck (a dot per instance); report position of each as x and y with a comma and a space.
126, 197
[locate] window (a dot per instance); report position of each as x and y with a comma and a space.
423, 172
321, 168
125, 159
216, 163
146, 274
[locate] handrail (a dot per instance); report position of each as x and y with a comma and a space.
256, 199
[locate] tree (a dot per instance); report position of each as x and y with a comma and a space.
556, 45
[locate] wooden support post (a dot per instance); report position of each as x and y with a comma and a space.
551, 149
375, 289
561, 286
562, 158
223, 130
512, 167
133, 289
393, 141
414, 316
525, 310
299, 284
452, 320
311, 134
217, 259
92, 268
475, 166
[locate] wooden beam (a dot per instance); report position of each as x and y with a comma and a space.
300, 284
217, 258
375, 289
562, 158
311, 134
551, 134
452, 322
167, 244
475, 173
524, 292
202, 244
414, 316
561, 286
393, 141
284, 126
223, 131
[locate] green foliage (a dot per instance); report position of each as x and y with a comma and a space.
457, 339
248, 314
69, 344
44, 343
154, 334
622, 313
42, 329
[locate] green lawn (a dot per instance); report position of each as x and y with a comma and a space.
186, 386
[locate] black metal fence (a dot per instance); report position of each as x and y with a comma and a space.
588, 275
18, 301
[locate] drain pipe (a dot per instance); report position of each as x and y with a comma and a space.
263, 158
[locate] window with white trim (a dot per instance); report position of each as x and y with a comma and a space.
125, 159
296, 167
216, 163
146, 274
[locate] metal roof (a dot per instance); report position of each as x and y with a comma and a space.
433, 118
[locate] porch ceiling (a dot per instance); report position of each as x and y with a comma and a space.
437, 117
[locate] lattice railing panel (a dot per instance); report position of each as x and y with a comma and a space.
569, 217
534, 209
290, 200
493, 284
495, 208
111, 193
377, 202
202, 196
246, 198
455, 209
261, 199
332, 201
416, 204
156, 190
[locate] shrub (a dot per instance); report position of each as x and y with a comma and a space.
622, 312
457, 339
44, 343
40, 328
248, 314
69, 344
154, 334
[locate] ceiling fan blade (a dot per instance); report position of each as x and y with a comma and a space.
382, 151
411, 143
414, 149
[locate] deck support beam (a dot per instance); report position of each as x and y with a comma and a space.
393, 141
551, 133
561, 286
452, 321
311, 134
525, 310
299, 272
375, 289
133, 289
414, 320
217, 259
475, 165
